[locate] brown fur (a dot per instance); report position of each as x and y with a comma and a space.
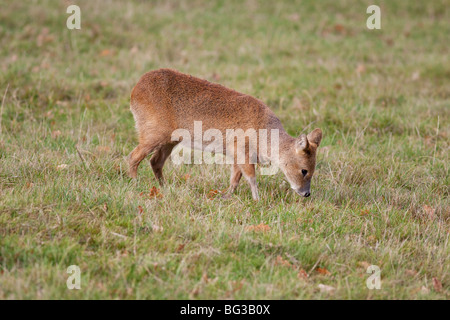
165, 100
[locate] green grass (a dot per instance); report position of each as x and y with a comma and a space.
380, 194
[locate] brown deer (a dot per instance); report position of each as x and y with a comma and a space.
165, 100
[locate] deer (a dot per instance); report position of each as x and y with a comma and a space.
166, 100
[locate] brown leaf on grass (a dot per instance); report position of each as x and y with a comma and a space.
437, 285
302, 274
429, 211
105, 53
29, 184
259, 228
282, 262
180, 247
338, 86
212, 194
364, 212
323, 271
186, 177
140, 210
339, 28
154, 193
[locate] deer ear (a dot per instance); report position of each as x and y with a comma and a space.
301, 144
315, 136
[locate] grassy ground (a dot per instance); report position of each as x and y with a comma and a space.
380, 194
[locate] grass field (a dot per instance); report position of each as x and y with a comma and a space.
380, 195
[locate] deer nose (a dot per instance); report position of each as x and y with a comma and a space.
305, 194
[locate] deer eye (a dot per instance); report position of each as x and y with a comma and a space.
304, 172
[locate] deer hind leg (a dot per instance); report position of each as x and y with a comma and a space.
236, 175
248, 170
137, 155
153, 136
150, 141
159, 158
